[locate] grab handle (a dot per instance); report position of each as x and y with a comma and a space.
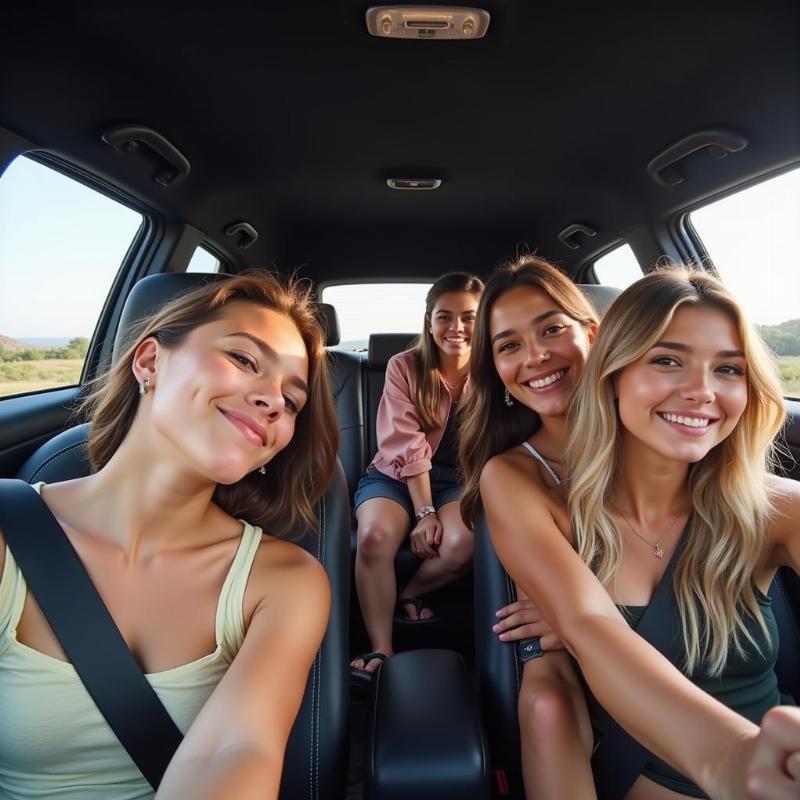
661, 168
128, 138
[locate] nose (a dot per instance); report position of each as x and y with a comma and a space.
698, 386
267, 397
536, 353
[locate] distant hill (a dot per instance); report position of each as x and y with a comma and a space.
12, 345
783, 339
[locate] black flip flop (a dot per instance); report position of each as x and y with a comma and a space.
360, 676
401, 618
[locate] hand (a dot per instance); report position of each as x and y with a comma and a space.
427, 536
522, 620
774, 772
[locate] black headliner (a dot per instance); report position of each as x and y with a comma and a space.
292, 118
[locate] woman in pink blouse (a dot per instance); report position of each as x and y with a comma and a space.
412, 483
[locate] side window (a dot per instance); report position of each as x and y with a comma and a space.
61, 245
365, 308
619, 268
203, 261
753, 240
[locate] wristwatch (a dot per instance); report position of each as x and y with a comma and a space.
423, 512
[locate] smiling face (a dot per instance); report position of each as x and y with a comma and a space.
538, 349
228, 396
451, 322
685, 395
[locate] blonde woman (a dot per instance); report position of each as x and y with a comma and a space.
412, 483
206, 420
532, 336
672, 425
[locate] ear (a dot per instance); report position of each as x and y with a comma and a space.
144, 360
592, 332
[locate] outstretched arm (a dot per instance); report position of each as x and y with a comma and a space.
235, 747
649, 697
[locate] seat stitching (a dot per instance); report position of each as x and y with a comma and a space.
53, 457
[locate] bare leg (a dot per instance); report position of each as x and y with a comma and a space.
555, 730
382, 526
454, 559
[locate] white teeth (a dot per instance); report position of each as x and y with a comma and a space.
691, 422
540, 384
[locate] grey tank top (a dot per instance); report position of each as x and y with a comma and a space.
535, 453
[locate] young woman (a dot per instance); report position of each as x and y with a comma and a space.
412, 481
672, 424
205, 421
532, 335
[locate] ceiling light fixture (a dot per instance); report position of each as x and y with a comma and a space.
413, 184
427, 22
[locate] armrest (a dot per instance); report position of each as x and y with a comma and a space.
425, 739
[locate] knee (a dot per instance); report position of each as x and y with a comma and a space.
457, 549
376, 543
545, 710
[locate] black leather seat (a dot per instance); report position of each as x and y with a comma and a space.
499, 671
316, 756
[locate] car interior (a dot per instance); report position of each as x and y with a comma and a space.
289, 136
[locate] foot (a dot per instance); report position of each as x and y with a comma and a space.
414, 610
368, 662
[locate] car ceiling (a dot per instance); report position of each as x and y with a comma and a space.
293, 117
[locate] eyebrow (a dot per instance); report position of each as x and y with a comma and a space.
271, 354
684, 348
534, 321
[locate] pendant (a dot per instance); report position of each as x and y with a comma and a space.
658, 551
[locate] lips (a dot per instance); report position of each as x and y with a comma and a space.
548, 380
256, 433
695, 424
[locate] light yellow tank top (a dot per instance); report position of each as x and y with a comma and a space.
54, 743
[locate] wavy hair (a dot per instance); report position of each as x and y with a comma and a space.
298, 475
488, 426
426, 353
730, 501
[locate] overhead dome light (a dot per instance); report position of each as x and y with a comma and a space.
427, 22
413, 184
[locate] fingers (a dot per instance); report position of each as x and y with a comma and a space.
420, 545
525, 616
437, 534
775, 773
764, 783
550, 641
512, 608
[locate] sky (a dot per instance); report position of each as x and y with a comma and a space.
61, 245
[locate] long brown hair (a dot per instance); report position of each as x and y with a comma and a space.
728, 487
297, 476
426, 354
488, 426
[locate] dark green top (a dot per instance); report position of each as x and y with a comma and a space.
748, 685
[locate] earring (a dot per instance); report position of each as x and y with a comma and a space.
507, 398
262, 470
144, 386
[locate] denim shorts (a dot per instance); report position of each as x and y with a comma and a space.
444, 488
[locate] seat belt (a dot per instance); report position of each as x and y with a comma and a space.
619, 758
81, 623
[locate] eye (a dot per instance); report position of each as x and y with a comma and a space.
665, 361
290, 405
554, 329
506, 347
731, 369
243, 360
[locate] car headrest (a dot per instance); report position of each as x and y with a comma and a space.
601, 297
330, 324
382, 346
152, 292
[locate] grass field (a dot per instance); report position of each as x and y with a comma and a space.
20, 377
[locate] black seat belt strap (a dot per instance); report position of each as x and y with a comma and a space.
619, 759
81, 623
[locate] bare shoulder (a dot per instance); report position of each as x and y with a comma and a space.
514, 465
785, 496
284, 572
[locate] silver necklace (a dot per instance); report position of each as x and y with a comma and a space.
658, 550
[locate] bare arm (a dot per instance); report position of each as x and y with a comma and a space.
783, 533
235, 747
649, 697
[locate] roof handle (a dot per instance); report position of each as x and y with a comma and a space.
246, 234
569, 236
128, 139
719, 143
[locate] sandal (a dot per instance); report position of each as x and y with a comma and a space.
362, 677
402, 618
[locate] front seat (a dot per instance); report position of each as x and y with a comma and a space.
316, 755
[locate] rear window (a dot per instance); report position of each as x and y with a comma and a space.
618, 268
365, 308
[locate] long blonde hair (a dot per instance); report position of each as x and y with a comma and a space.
713, 579
296, 478
488, 426
426, 354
